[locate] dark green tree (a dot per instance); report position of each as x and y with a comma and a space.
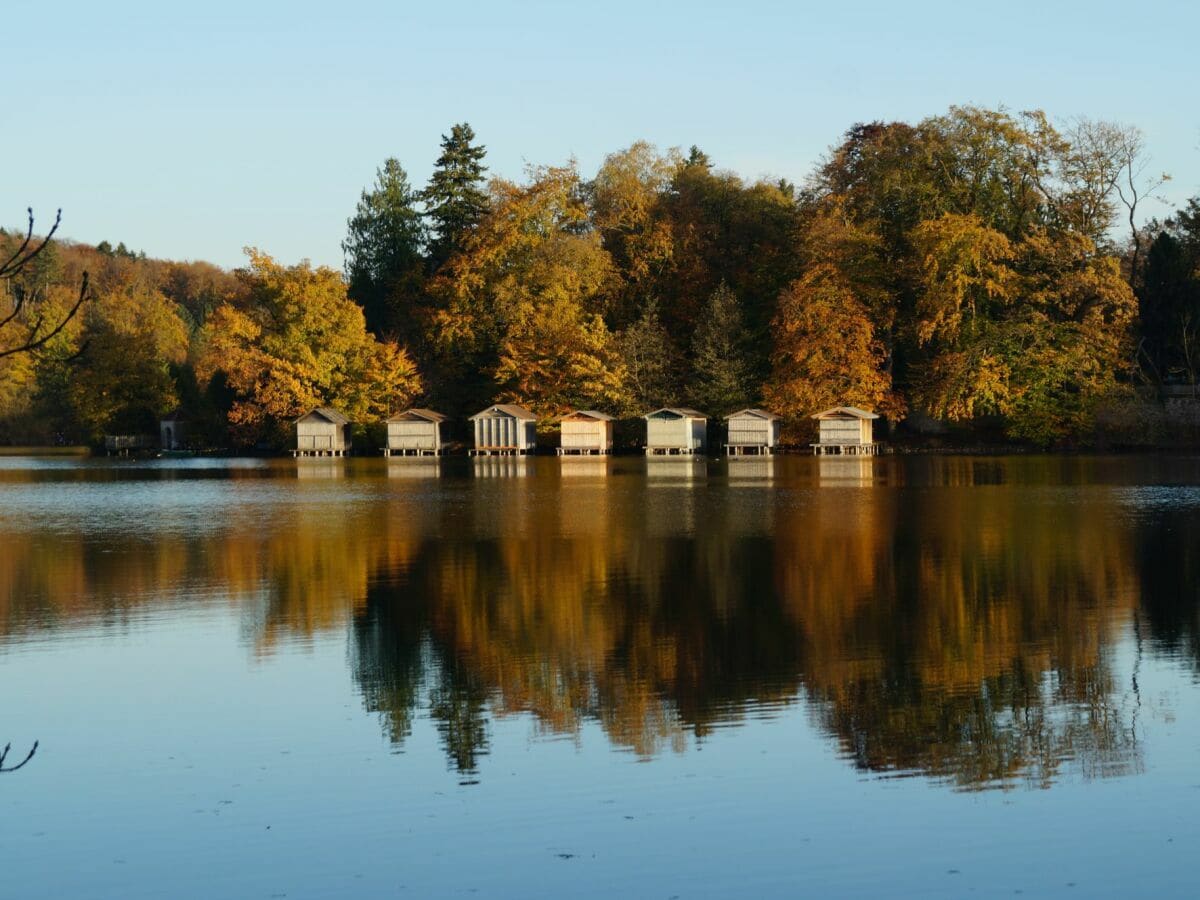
1169, 300
455, 199
383, 246
650, 362
721, 380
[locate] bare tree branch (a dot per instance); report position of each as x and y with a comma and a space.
36, 341
4, 755
26, 252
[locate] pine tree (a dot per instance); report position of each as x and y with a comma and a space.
649, 359
455, 200
383, 248
721, 379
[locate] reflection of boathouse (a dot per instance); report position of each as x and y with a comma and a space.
323, 432
750, 470
500, 466
846, 471
583, 467
504, 429
751, 432
845, 430
675, 430
414, 468
416, 432
585, 432
320, 470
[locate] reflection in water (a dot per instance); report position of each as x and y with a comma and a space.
661, 469
969, 631
414, 466
750, 469
846, 470
583, 466
501, 466
320, 468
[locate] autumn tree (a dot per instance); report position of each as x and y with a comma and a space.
122, 378
826, 351
627, 208
384, 244
455, 198
293, 340
521, 304
727, 230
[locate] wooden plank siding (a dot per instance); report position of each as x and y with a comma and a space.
323, 432
751, 431
584, 432
845, 430
676, 430
415, 432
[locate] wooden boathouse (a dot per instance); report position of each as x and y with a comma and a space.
172, 431
751, 432
675, 430
584, 432
416, 432
845, 430
504, 429
323, 432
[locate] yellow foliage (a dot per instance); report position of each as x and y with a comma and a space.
963, 272
826, 351
293, 341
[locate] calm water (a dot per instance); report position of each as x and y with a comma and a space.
904, 677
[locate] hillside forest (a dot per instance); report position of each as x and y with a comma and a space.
981, 275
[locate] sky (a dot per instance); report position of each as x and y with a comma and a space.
191, 131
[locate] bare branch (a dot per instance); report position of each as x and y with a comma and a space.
26, 252
22, 258
34, 342
28, 757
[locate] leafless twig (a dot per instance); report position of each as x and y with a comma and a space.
4, 755
39, 334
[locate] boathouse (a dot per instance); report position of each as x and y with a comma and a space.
323, 432
751, 431
504, 429
172, 431
845, 430
584, 432
675, 430
416, 432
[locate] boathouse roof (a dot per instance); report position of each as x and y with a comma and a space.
328, 413
843, 412
506, 409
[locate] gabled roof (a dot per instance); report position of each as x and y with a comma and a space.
841, 412
328, 413
507, 409
418, 413
587, 414
755, 413
682, 412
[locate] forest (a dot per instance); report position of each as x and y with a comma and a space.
979, 276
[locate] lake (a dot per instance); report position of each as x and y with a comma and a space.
904, 676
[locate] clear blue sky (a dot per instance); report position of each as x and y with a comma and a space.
192, 130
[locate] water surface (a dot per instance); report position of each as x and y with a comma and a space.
920, 676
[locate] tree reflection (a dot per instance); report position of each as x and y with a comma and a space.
960, 623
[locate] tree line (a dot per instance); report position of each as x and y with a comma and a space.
982, 271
